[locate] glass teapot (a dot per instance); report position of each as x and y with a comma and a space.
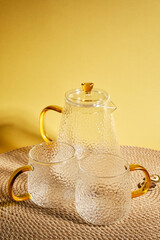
87, 122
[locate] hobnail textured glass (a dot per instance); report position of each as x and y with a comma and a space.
100, 197
88, 129
52, 181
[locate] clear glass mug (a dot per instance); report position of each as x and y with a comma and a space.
50, 177
102, 198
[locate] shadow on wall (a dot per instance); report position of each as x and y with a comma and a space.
12, 136
17, 131
20, 128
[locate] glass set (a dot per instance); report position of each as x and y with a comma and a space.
84, 166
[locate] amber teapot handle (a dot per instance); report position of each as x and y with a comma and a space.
41, 120
145, 187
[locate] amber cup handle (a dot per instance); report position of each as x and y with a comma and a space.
145, 187
11, 181
41, 120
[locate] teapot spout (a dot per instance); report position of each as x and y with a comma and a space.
111, 106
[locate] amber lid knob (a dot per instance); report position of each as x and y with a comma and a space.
87, 87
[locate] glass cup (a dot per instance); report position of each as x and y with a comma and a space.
100, 197
51, 177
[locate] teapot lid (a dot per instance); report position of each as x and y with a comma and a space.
87, 96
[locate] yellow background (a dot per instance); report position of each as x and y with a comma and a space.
48, 47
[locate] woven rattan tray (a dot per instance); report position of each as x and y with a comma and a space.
25, 220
